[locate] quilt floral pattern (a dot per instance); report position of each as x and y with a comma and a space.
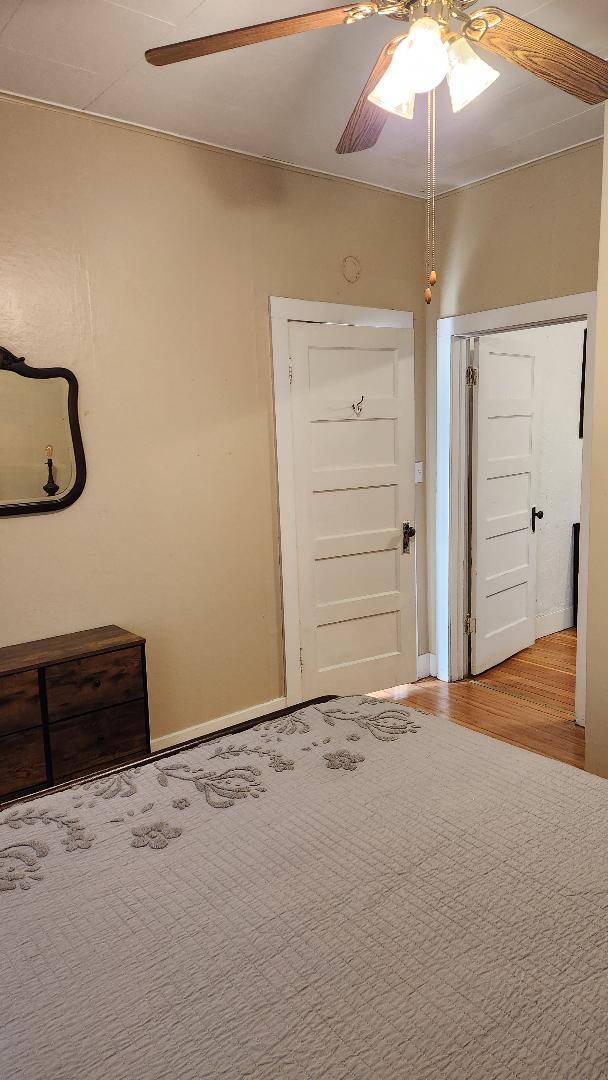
337, 735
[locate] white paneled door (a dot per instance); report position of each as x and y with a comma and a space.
352, 395
504, 475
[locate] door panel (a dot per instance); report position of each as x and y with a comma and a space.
353, 423
370, 573
504, 467
509, 439
508, 502
358, 639
353, 444
342, 513
341, 374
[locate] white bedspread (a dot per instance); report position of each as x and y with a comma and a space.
353, 891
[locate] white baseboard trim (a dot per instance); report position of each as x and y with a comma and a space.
220, 722
554, 621
426, 665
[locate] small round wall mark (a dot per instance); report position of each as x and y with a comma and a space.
351, 269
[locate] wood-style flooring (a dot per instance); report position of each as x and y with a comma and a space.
527, 701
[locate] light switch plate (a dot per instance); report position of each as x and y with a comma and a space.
420, 472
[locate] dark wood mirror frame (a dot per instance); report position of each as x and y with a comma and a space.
17, 364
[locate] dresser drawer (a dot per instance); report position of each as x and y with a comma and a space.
19, 702
98, 741
93, 683
22, 761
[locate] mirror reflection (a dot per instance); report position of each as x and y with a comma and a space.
36, 450
41, 458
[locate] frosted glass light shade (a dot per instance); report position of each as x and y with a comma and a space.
423, 56
468, 74
419, 64
392, 95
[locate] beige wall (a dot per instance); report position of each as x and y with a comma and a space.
597, 624
529, 234
145, 263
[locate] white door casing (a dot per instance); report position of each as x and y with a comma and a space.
507, 401
352, 395
447, 463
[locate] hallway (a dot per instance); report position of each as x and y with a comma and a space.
527, 701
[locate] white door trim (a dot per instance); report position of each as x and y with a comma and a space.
283, 311
451, 464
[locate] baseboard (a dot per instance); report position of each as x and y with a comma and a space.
554, 621
426, 665
220, 722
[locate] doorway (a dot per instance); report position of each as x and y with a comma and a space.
525, 423
449, 434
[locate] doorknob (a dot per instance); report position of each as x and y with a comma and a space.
408, 534
536, 514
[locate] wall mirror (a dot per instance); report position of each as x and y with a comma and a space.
42, 463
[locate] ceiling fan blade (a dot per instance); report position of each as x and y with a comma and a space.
250, 35
558, 62
367, 121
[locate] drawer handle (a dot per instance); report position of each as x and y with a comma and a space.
97, 683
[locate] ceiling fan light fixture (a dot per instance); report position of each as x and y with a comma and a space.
419, 64
468, 74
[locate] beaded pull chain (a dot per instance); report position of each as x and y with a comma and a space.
431, 188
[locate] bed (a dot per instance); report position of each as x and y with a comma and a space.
350, 890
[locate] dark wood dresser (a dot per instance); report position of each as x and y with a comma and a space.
69, 706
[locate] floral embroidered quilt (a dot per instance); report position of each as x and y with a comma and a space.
351, 891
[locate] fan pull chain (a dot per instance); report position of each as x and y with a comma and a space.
431, 189
427, 256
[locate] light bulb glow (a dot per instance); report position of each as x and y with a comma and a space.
419, 64
423, 56
468, 74
391, 94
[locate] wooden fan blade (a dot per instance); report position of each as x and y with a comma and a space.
250, 35
367, 121
558, 62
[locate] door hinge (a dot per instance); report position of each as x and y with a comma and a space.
472, 376
470, 625
290, 372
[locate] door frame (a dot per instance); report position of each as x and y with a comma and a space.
284, 310
451, 446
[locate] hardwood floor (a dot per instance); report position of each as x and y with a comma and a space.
527, 701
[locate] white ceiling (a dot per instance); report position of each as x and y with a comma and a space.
289, 99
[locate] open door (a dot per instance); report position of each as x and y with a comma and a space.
506, 404
352, 396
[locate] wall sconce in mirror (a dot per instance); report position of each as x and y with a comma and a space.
42, 462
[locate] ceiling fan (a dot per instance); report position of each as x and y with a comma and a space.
437, 45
